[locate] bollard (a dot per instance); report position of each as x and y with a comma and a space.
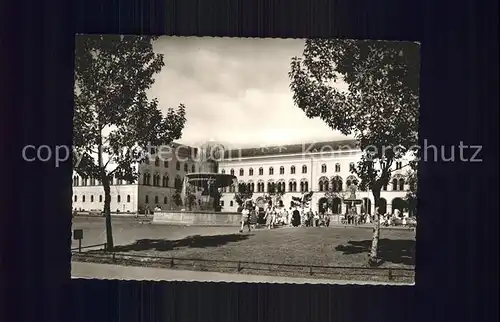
390, 275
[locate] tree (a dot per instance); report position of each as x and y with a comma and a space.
114, 121
380, 107
244, 193
302, 201
411, 193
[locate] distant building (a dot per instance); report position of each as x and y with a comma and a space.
317, 167
294, 169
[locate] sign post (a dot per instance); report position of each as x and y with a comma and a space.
78, 235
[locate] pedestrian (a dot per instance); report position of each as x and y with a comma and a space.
245, 219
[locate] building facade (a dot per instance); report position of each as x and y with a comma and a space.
159, 179
323, 168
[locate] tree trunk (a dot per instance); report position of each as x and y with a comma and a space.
107, 213
373, 260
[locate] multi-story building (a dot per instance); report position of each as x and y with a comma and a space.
323, 168
156, 185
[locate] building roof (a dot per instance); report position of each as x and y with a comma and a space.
327, 146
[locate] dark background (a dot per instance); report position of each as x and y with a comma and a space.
457, 242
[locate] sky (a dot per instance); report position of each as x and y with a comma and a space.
236, 91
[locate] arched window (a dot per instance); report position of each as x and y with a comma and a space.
118, 198
157, 162
337, 167
156, 200
260, 186
271, 187
304, 186
399, 165
91, 198
384, 187
128, 198
250, 172
323, 168
223, 171
292, 169
231, 172
178, 183
185, 167
100, 198
304, 169
84, 181
320, 186
231, 203
394, 184
165, 200
165, 164
83, 198
402, 184
145, 179
337, 184
147, 199
193, 168
164, 181
75, 181
76, 198
242, 172
261, 171
282, 170
271, 171
177, 165
352, 166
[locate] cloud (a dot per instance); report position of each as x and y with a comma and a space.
236, 91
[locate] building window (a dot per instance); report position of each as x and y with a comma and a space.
260, 187
231, 203
304, 186
165, 181
261, 171
401, 184
323, 168
92, 181
165, 164
128, 198
193, 168
232, 172
337, 184
242, 172
83, 198
399, 165
304, 169
100, 198
223, 171
91, 198
156, 200
185, 167
351, 166
337, 167
250, 172
157, 162
271, 171
292, 169
222, 203
177, 165
147, 199
84, 181
165, 200
118, 198
76, 198
75, 181
282, 170
178, 183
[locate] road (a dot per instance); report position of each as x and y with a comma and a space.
106, 271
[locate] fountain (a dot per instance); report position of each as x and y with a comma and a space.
200, 193
352, 201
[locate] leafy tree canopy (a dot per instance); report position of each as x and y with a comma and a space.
379, 106
113, 116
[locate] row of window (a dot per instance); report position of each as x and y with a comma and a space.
304, 169
119, 199
323, 184
166, 164
165, 181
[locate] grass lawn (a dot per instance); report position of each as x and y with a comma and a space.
334, 246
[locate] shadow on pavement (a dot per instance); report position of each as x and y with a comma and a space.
196, 241
397, 251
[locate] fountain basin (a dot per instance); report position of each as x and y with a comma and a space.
197, 218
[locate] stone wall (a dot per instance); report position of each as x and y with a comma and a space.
197, 218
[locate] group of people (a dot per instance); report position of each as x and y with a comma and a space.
274, 217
